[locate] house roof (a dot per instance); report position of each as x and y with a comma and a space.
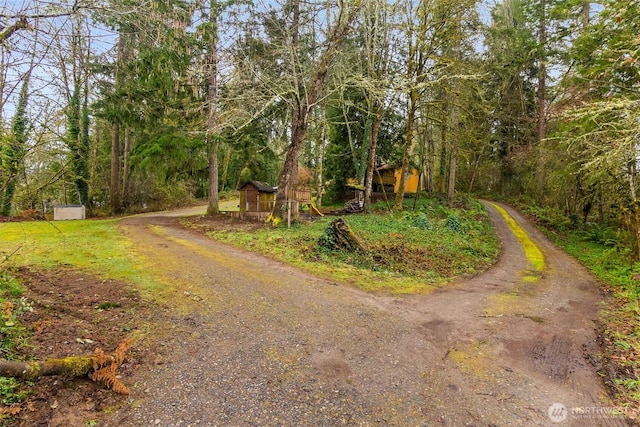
261, 186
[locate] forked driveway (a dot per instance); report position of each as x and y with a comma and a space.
261, 343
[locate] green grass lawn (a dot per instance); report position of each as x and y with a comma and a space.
95, 246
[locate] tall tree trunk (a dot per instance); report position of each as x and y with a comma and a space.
288, 176
455, 120
319, 154
213, 206
76, 120
116, 204
451, 187
634, 212
73, 138
541, 128
371, 158
81, 118
542, 73
296, 113
413, 73
85, 146
444, 140
126, 166
430, 160
115, 167
376, 49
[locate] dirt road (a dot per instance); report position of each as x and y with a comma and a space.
254, 342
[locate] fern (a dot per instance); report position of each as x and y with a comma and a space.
107, 374
108, 377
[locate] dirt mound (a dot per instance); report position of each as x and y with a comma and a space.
73, 314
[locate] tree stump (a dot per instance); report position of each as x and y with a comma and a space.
339, 236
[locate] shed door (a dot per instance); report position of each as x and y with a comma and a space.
252, 198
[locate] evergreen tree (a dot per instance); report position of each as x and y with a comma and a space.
14, 149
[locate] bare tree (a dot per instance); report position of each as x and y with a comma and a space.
377, 54
307, 91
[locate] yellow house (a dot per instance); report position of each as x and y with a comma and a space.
388, 177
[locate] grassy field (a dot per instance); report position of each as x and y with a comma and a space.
95, 246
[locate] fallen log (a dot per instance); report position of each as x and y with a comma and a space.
100, 367
70, 367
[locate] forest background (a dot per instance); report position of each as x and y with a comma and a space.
126, 105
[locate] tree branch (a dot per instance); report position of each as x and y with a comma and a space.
21, 24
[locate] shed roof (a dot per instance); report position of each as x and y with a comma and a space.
356, 187
261, 186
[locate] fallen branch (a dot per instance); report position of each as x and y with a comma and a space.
70, 367
99, 367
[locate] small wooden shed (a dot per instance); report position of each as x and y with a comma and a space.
256, 196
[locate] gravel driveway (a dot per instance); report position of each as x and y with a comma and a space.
249, 341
